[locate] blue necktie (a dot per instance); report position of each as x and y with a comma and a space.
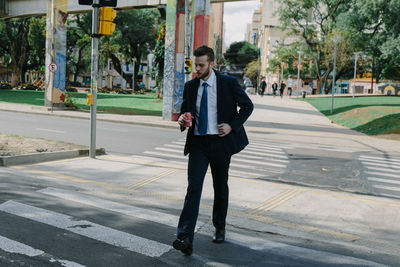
203, 117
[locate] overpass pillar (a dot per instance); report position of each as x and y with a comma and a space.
56, 52
201, 23
174, 76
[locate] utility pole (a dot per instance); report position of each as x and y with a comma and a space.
298, 74
94, 74
355, 71
336, 40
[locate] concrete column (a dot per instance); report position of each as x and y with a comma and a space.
56, 52
201, 23
174, 76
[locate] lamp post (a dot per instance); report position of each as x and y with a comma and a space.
355, 71
336, 40
298, 74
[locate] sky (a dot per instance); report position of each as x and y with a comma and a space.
236, 17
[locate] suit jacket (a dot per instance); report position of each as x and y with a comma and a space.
230, 96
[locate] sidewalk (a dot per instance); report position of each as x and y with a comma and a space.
363, 223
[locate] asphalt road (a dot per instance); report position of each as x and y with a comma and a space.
114, 137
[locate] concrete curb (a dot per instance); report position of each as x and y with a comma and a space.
46, 156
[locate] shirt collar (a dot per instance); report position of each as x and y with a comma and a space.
211, 79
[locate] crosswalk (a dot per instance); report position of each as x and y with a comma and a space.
66, 222
259, 159
382, 174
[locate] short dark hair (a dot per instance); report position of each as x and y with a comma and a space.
204, 50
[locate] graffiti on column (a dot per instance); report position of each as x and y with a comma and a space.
56, 50
179, 59
169, 59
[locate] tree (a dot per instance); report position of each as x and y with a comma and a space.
313, 21
79, 44
252, 71
375, 30
36, 52
241, 53
16, 31
158, 60
136, 36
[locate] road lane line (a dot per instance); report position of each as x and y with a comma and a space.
88, 229
276, 201
50, 130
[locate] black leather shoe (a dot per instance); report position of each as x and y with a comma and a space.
219, 236
184, 245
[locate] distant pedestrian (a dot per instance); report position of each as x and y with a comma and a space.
274, 88
263, 85
289, 91
281, 89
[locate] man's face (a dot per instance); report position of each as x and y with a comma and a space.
203, 67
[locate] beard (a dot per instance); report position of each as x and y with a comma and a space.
205, 74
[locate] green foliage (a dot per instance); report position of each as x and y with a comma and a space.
251, 71
37, 44
79, 44
241, 53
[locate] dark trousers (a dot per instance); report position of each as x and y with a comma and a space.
205, 150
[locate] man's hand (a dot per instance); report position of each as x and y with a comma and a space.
224, 129
181, 120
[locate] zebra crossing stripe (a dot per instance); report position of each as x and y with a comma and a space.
396, 176
386, 160
88, 229
244, 152
171, 220
264, 150
12, 246
383, 180
262, 163
383, 169
381, 165
397, 189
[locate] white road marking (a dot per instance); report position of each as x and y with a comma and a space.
245, 240
390, 188
85, 228
50, 130
387, 160
145, 214
383, 180
383, 169
397, 176
390, 166
13, 246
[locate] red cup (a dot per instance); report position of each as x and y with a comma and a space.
188, 119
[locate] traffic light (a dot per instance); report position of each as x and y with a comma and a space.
111, 3
107, 16
188, 66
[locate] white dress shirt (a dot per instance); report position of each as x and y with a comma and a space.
212, 126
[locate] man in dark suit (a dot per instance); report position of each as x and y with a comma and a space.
216, 134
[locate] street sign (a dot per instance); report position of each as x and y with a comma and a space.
53, 67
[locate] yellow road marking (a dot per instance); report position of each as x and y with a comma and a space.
151, 179
276, 201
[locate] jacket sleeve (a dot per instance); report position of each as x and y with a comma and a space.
184, 106
243, 102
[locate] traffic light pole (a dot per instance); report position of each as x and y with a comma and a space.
94, 74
